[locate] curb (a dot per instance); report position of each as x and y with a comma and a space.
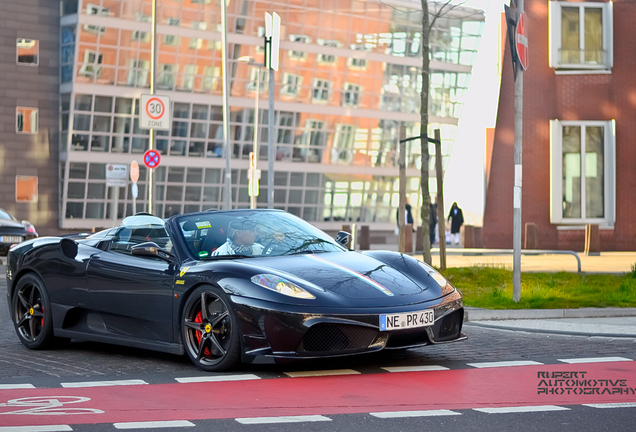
478, 314
555, 331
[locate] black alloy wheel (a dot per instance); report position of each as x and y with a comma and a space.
32, 313
210, 331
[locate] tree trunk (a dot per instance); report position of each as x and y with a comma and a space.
426, 196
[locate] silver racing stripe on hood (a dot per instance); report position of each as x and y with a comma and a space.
360, 276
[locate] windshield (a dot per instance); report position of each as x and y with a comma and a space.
5, 215
222, 235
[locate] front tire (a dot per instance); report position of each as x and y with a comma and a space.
209, 330
31, 309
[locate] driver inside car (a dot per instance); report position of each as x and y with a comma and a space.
241, 240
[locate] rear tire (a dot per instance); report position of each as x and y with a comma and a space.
31, 313
209, 330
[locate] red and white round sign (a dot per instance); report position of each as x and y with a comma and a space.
522, 40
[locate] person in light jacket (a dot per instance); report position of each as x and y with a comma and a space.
456, 218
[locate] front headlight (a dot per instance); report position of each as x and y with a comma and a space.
281, 285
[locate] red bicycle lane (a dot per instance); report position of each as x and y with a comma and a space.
567, 384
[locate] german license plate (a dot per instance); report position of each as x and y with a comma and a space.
407, 320
11, 239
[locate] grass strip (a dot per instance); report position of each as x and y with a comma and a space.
491, 288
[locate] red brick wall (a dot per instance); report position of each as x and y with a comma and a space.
549, 96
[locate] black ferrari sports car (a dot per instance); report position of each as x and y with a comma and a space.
225, 287
13, 231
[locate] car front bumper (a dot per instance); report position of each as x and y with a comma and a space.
279, 331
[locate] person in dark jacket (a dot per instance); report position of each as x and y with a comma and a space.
408, 217
456, 218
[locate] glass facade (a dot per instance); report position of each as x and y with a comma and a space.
343, 91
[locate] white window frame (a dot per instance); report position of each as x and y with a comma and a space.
325, 58
26, 42
343, 144
190, 73
351, 88
291, 84
91, 68
555, 35
211, 75
93, 9
140, 36
556, 173
298, 38
138, 72
20, 111
321, 85
251, 85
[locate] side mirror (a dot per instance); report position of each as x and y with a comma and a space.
69, 248
344, 238
151, 249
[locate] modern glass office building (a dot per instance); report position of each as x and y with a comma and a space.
349, 79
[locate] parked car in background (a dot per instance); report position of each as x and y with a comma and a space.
12, 231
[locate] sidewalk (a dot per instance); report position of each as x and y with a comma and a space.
604, 322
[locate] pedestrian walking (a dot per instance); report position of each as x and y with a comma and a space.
408, 216
433, 223
456, 218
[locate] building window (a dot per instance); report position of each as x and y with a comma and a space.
299, 55
583, 166
26, 188
211, 76
166, 76
343, 140
254, 79
351, 96
26, 120
28, 51
328, 58
581, 35
291, 85
140, 36
92, 9
321, 90
138, 72
92, 65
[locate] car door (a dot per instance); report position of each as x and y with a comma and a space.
132, 296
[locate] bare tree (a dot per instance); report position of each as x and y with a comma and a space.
428, 21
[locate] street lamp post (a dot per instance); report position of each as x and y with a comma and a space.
253, 173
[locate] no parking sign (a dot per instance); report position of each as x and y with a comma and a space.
152, 158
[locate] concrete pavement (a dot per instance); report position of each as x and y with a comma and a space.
600, 322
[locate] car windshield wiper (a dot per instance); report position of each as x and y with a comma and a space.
306, 251
227, 257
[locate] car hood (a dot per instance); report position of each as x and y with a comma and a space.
351, 278
11, 223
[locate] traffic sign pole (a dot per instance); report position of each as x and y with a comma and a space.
153, 65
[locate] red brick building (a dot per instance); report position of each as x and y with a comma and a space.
579, 125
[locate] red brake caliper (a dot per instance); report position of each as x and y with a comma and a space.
198, 319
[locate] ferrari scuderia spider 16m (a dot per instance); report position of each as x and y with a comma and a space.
225, 287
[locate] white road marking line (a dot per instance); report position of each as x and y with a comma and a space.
102, 383
47, 428
520, 409
594, 360
322, 373
282, 419
153, 424
504, 364
613, 405
425, 413
217, 378
414, 368
16, 386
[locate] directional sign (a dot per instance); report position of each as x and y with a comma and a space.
152, 158
116, 175
522, 41
154, 112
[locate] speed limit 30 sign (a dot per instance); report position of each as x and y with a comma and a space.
154, 112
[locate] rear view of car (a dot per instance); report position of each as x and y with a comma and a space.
12, 231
